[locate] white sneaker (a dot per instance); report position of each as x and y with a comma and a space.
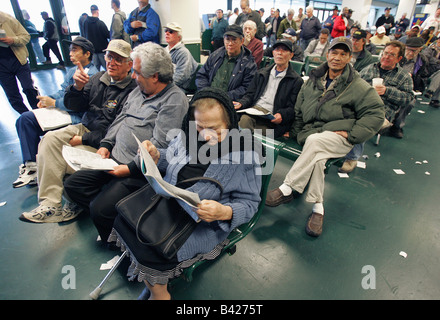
43, 214
27, 175
70, 211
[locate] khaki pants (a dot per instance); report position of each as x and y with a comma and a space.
51, 166
310, 165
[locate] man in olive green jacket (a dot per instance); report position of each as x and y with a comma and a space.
335, 109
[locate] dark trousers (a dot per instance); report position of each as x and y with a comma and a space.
11, 70
98, 192
29, 132
52, 45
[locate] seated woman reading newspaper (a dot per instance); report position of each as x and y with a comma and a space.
206, 146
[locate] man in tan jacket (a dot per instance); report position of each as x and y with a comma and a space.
14, 64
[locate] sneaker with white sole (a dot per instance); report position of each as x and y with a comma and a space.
27, 175
43, 214
71, 211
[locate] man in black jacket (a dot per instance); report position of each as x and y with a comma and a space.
102, 97
97, 32
274, 90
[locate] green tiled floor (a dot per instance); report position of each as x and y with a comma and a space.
370, 218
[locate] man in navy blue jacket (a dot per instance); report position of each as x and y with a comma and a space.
310, 28
230, 68
143, 24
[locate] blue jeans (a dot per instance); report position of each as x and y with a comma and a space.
356, 152
29, 132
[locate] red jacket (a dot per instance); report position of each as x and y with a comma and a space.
339, 28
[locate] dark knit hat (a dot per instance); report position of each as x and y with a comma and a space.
222, 97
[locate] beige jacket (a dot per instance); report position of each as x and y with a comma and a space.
14, 29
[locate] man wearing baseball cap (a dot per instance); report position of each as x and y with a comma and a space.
230, 68
335, 110
28, 128
184, 62
289, 35
386, 20
100, 97
273, 90
361, 56
380, 39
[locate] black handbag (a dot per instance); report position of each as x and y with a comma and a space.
159, 222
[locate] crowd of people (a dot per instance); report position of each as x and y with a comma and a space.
125, 83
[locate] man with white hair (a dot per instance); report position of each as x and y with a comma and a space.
432, 21
310, 28
253, 44
184, 63
249, 14
287, 23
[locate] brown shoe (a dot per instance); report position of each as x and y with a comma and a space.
348, 166
314, 224
275, 197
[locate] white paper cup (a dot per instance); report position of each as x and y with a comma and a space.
377, 82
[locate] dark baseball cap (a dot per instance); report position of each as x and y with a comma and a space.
93, 7
342, 40
235, 31
284, 42
83, 43
359, 34
290, 32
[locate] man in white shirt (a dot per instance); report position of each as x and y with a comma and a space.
432, 21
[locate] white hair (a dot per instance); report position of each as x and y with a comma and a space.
250, 23
290, 11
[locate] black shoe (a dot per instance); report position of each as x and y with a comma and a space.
396, 132
428, 94
435, 103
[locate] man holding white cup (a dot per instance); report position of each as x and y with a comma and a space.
393, 84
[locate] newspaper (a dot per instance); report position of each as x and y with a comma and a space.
52, 118
82, 159
258, 111
152, 174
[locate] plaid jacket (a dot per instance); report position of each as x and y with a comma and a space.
399, 85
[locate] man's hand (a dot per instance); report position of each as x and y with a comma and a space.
7, 40
120, 171
105, 154
136, 24
80, 77
342, 133
152, 150
75, 141
45, 102
380, 89
237, 105
277, 119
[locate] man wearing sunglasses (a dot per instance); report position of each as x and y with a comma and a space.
184, 63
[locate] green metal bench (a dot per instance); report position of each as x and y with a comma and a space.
272, 148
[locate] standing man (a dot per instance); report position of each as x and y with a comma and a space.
386, 20
184, 63
335, 109
287, 23
218, 26
50, 34
340, 25
14, 64
310, 28
117, 27
328, 24
143, 24
275, 22
249, 14
97, 32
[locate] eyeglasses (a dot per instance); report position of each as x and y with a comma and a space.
169, 31
117, 60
